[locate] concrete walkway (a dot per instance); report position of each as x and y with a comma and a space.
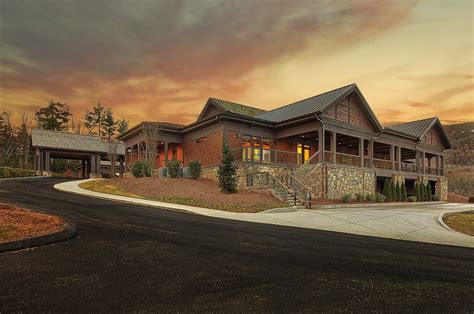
416, 223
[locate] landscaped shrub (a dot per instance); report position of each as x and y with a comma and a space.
387, 190
346, 198
227, 172
1, 172
173, 168
7, 173
417, 192
370, 197
404, 192
429, 193
471, 199
360, 197
380, 198
195, 169
140, 169
393, 191
422, 192
412, 199
436, 198
398, 190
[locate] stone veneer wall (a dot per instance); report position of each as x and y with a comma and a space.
441, 188
348, 180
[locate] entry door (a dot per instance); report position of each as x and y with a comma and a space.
304, 150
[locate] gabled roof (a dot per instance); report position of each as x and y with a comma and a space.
164, 125
70, 141
419, 128
307, 106
228, 106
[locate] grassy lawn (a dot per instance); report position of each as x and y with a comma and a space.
19, 223
184, 191
462, 222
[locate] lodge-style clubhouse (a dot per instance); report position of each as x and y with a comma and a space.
321, 147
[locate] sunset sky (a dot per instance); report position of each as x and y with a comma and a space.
161, 60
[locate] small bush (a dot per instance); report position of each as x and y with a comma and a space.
380, 198
370, 197
195, 169
471, 199
436, 198
141, 169
417, 192
173, 168
422, 193
360, 197
1, 172
346, 198
7, 173
393, 191
387, 190
412, 199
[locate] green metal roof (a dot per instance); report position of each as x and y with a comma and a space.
236, 108
419, 128
306, 106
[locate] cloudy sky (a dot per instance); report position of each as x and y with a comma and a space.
161, 60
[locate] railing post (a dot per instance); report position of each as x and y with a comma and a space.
334, 146
361, 152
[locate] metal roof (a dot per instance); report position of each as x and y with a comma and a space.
73, 142
164, 125
307, 106
236, 108
414, 128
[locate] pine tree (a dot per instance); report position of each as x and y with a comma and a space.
55, 116
429, 192
393, 191
417, 192
386, 189
89, 122
227, 172
122, 126
109, 125
399, 192
98, 114
404, 192
422, 192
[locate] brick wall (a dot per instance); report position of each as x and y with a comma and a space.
209, 151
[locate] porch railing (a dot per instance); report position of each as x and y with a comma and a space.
252, 154
408, 167
347, 159
382, 163
301, 191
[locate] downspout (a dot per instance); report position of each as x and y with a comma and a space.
325, 181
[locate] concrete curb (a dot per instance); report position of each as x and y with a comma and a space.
446, 214
67, 233
365, 205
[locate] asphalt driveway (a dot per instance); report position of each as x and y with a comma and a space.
133, 258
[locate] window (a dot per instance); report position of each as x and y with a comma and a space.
266, 144
257, 148
201, 140
246, 147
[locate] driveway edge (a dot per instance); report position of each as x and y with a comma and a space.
67, 233
446, 213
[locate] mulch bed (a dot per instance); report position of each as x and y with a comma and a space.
18, 223
202, 193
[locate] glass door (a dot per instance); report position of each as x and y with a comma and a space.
304, 152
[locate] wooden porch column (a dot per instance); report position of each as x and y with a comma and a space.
121, 169
83, 169
166, 151
93, 164
47, 161
334, 146
321, 144
361, 151
399, 158
392, 156
98, 168
41, 161
417, 155
371, 153
438, 165
423, 156
139, 151
442, 165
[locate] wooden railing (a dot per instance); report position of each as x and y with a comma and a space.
382, 163
347, 159
408, 167
300, 190
251, 154
367, 162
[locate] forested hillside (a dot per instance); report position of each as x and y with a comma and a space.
460, 160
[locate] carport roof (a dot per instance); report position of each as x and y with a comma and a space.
72, 142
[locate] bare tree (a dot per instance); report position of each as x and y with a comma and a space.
152, 133
23, 137
112, 156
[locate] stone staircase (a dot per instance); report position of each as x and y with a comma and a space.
290, 199
302, 171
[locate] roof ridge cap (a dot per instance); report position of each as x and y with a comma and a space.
233, 102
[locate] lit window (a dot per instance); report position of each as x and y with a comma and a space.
246, 147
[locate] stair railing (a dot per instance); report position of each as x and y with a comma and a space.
300, 191
265, 179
